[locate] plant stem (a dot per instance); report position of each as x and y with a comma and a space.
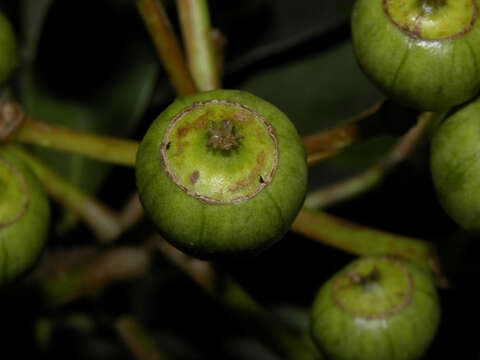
105, 269
234, 297
103, 222
137, 339
365, 181
328, 143
168, 48
131, 213
363, 241
104, 148
195, 23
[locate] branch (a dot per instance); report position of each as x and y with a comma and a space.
364, 241
103, 222
373, 176
65, 284
168, 48
328, 143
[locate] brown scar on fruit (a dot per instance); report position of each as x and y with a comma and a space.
241, 117
198, 124
194, 177
250, 178
180, 146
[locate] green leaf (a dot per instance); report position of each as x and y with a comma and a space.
66, 85
319, 91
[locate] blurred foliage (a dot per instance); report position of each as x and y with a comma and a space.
89, 65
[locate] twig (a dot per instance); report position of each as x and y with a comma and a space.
103, 222
104, 148
325, 144
365, 181
361, 240
168, 48
137, 339
109, 267
195, 23
131, 213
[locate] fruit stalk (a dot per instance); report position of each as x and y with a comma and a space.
195, 23
103, 222
360, 240
328, 143
29, 131
373, 176
167, 45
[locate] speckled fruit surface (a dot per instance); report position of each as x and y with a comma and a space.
24, 217
455, 166
423, 54
222, 173
380, 308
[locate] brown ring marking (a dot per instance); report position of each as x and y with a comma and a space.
394, 260
204, 198
26, 202
417, 36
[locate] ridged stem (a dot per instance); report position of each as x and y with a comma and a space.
167, 46
196, 30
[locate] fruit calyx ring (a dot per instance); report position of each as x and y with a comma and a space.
216, 129
364, 283
432, 20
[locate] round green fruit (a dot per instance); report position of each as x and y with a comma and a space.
221, 173
455, 165
421, 53
8, 49
376, 308
24, 217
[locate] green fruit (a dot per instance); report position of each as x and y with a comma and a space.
455, 165
8, 49
221, 173
421, 53
24, 217
376, 308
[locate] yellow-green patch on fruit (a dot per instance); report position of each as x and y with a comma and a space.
222, 173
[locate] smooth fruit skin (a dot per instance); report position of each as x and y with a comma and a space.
426, 74
455, 166
8, 49
207, 229
357, 321
24, 217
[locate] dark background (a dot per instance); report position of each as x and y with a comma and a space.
84, 58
